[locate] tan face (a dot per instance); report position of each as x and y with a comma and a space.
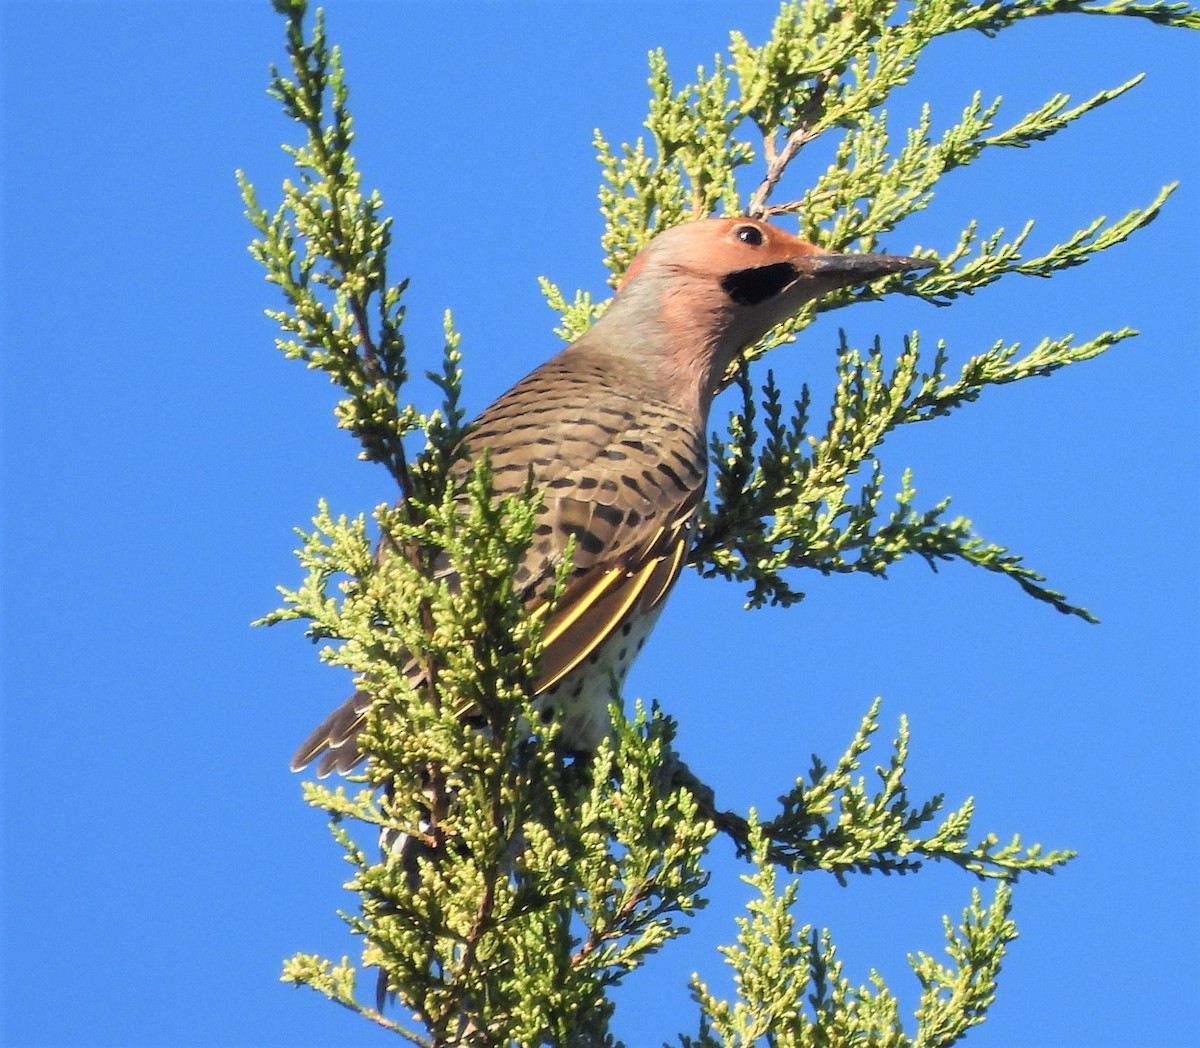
718, 247
701, 292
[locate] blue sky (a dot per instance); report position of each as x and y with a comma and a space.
158, 861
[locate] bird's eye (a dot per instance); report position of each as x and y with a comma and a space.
751, 235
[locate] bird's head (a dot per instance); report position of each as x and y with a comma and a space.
704, 291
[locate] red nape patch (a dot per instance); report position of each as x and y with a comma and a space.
634, 268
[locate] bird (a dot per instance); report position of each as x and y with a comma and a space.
613, 432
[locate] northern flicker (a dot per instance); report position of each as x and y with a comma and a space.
614, 430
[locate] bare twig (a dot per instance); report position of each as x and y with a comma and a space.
778, 160
776, 165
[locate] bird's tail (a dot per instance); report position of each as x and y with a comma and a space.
335, 739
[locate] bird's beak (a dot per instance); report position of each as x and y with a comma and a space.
812, 273
848, 270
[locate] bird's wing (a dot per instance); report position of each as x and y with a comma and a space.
620, 475
598, 601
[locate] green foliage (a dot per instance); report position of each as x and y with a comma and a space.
535, 871
792, 992
515, 885
326, 248
834, 823
787, 498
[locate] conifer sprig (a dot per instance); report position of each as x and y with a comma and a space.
791, 989
836, 822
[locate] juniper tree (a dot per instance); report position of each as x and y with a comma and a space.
556, 877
